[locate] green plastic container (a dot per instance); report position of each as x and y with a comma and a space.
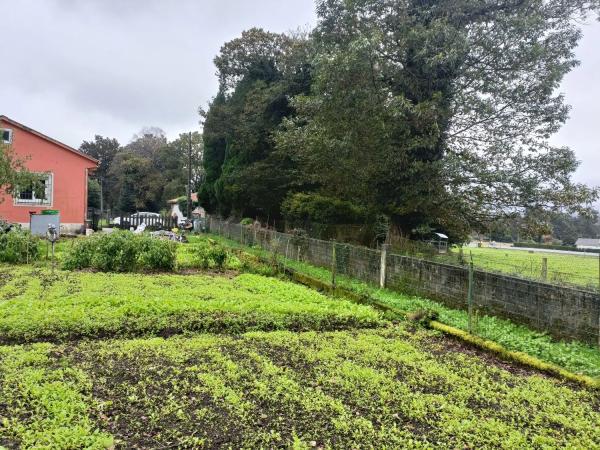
50, 212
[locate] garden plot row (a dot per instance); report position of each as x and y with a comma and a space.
85, 363
386, 388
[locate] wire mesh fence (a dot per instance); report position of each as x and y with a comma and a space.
562, 269
542, 300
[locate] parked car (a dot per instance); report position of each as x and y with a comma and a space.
138, 218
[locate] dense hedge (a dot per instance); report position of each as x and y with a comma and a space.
121, 251
301, 208
553, 247
18, 246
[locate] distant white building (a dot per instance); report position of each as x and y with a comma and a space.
177, 213
588, 244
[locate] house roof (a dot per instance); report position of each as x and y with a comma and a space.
176, 200
588, 242
14, 123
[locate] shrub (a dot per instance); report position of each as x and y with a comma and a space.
299, 209
18, 246
157, 254
246, 221
121, 251
210, 254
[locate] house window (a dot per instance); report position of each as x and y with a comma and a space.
6, 135
41, 196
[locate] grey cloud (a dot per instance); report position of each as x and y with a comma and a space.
74, 68
130, 63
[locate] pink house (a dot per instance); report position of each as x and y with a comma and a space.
64, 171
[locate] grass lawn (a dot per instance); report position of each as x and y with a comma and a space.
562, 268
394, 387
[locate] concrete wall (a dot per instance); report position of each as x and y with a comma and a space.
563, 312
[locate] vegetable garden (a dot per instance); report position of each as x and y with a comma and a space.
220, 351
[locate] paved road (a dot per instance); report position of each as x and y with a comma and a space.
541, 250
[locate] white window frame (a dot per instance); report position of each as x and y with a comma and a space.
49, 194
10, 135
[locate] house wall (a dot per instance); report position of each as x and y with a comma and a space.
69, 180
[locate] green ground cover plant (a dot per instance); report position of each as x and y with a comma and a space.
37, 305
574, 356
43, 405
398, 387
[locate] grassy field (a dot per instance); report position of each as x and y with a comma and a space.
390, 388
562, 268
227, 359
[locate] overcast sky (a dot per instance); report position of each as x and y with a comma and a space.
76, 68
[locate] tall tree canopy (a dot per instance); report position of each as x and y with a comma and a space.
14, 174
148, 171
436, 113
104, 150
258, 73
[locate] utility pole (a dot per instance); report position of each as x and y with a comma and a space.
189, 183
101, 197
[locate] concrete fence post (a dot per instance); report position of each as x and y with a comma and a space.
470, 296
544, 268
383, 265
333, 265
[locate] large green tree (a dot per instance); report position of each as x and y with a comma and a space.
438, 113
173, 161
104, 150
258, 73
137, 184
15, 175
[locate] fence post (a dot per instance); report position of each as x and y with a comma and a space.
544, 268
470, 296
333, 265
383, 265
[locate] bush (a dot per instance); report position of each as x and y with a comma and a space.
246, 221
158, 254
18, 246
210, 254
121, 251
299, 209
